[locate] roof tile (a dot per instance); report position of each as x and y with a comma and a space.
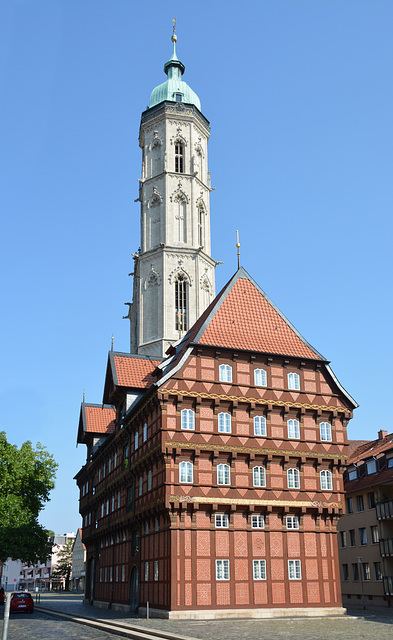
134, 371
99, 419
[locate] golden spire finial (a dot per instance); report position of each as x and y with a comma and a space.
112, 343
174, 36
84, 396
238, 250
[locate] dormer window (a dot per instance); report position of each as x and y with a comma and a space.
371, 467
352, 475
179, 158
178, 97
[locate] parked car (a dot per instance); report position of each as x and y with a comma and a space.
22, 601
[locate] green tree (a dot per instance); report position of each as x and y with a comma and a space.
63, 567
26, 479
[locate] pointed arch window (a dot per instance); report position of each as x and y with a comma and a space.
259, 426
293, 479
188, 419
223, 474
186, 472
179, 157
326, 480
181, 303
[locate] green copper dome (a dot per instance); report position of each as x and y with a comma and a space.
174, 89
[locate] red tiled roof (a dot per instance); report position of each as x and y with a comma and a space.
134, 371
246, 319
99, 419
374, 448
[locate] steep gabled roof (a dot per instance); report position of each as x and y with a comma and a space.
97, 419
242, 317
130, 371
368, 449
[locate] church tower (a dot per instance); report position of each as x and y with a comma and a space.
173, 271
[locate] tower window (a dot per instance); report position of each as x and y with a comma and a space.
179, 158
179, 97
181, 303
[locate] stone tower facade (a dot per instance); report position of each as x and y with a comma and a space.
173, 272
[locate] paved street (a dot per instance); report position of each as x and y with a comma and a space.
376, 625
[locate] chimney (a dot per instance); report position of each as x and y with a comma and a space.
382, 434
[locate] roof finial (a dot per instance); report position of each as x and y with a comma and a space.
84, 396
112, 343
238, 250
174, 36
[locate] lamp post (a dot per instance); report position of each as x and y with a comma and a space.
361, 579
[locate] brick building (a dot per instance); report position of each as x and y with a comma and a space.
366, 529
213, 480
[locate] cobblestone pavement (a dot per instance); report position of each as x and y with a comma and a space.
372, 624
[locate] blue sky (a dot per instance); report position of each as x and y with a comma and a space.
299, 96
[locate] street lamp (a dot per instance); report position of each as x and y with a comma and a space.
361, 578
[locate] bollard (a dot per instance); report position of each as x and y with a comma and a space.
147, 611
6, 615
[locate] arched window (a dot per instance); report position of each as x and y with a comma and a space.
293, 429
223, 474
294, 381
325, 430
186, 472
179, 158
259, 476
293, 479
224, 423
181, 303
326, 480
188, 419
260, 378
225, 373
259, 426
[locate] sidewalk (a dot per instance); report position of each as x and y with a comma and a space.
373, 623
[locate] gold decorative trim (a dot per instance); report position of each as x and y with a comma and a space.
263, 401
258, 503
255, 450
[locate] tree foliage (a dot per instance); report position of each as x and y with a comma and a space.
63, 566
26, 479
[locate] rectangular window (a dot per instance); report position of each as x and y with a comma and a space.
147, 529
110, 574
292, 522
118, 499
146, 571
374, 534
294, 381
293, 429
149, 480
225, 373
140, 485
343, 539
390, 463
123, 572
221, 521
260, 378
259, 569
115, 460
101, 574
362, 535
106, 574
259, 426
257, 521
371, 500
352, 539
378, 570
156, 570
113, 503
355, 571
349, 505
294, 570
136, 440
325, 429
366, 571
345, 572
222, 569
109, 465
352, 474
360, 503
117, 573
156, 524
224, 423
144, 432
371, 467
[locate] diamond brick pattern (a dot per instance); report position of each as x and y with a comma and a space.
204, 595
278, 593
223, 593
295, 592
242, 596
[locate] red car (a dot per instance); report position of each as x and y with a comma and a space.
22, 601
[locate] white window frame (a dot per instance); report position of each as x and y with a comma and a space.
293, 427
325, 430
292, 522
293, 381
260, 378
260, 426
223, 474
259, 476
293, 478
257, 521
222, 570
326, 479
188, 419
225, 373
221, 521
371, 467
294, 570
224, 422
259, 569
186, 472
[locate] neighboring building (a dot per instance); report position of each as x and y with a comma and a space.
78, 563
213, 479
10, 575
366, 530
40, 574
